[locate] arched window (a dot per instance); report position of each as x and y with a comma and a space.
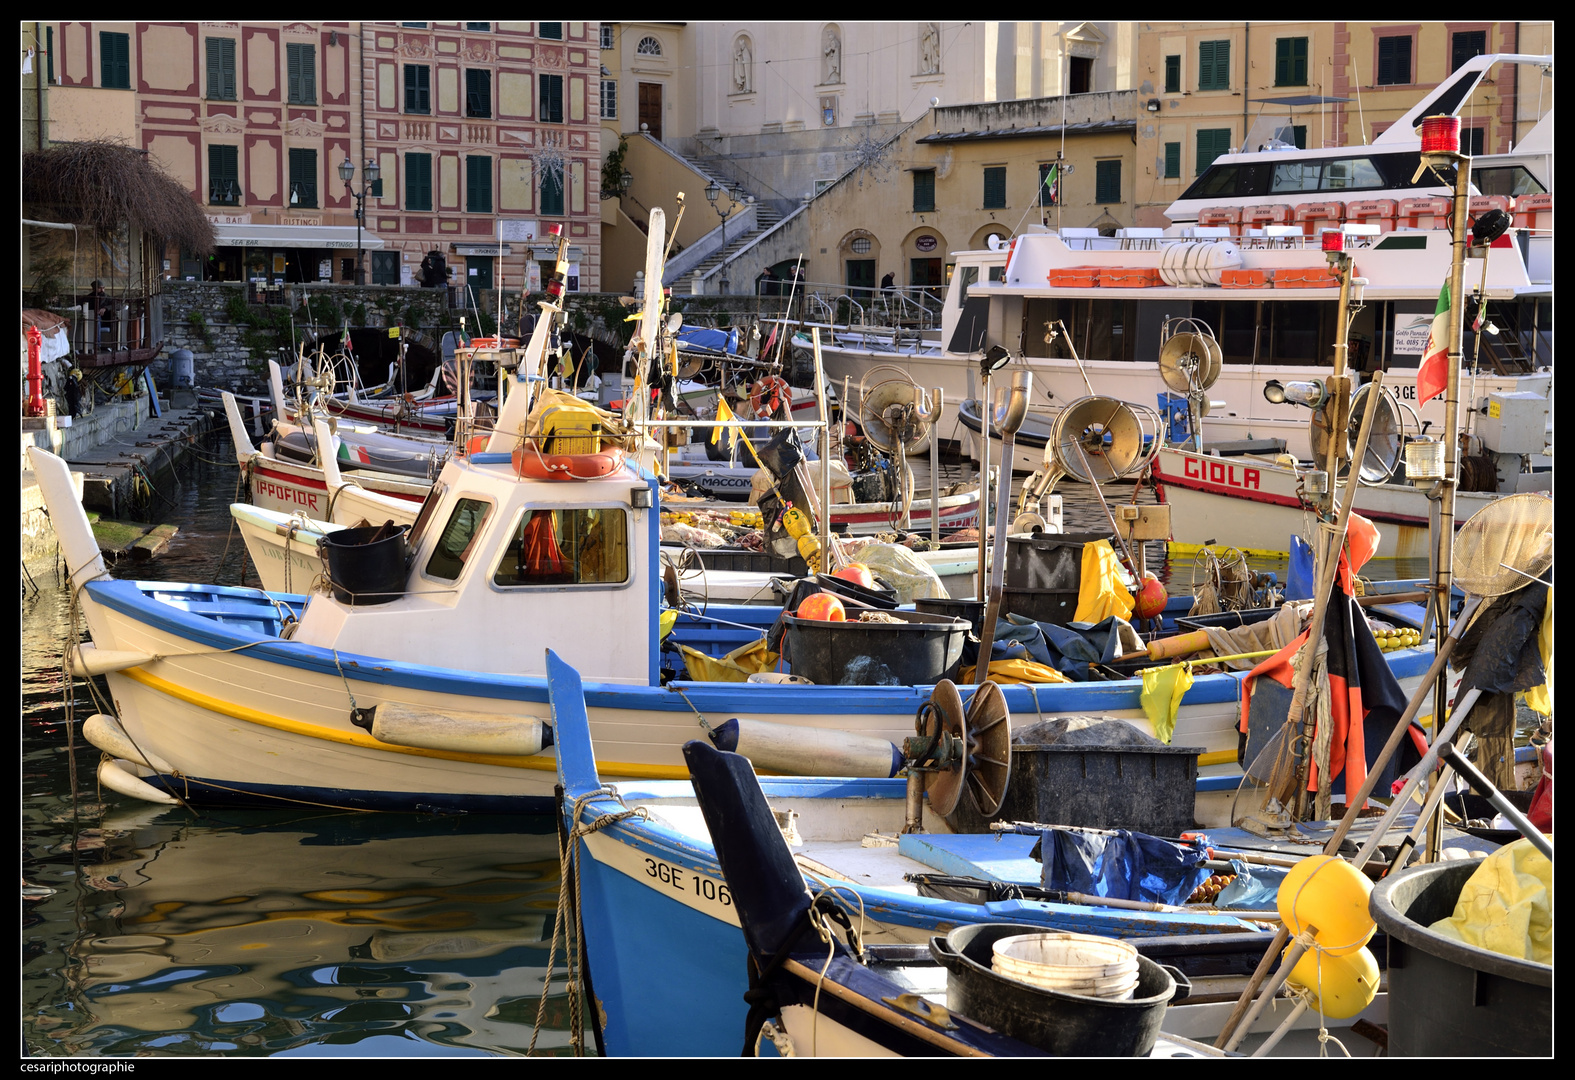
649, 46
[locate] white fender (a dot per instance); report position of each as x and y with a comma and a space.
67, 516
461, 732
86, 660
276, 387
113, 775
327, 455
105, 732
808, 751
244, 450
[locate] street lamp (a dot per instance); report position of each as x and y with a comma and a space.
370, 174
713, 191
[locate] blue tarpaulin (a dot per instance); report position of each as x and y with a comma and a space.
1122, 865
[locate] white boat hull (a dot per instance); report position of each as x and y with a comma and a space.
1255, 505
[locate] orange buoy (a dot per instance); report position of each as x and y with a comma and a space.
1151, 598
822, 606
857, 573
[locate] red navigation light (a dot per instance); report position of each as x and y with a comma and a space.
555, 287
555, 229
1441, 135
1333, 240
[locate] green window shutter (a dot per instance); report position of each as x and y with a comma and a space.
478, 93
552, 99
221, 69
418, 89
1107, 181
478, 185
1214, 65
1172, 74
923, 190
418, 181
1394, 61
1212, 142
223, 175
552, 192
1290, 62
995, 187
303, 178
302, 71
553, 30
1172, 160
114, 60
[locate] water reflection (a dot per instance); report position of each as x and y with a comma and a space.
257, 934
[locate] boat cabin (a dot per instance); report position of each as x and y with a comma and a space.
567, 564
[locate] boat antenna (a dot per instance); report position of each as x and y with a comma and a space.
798, 275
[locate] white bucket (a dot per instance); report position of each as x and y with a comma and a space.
1070, 963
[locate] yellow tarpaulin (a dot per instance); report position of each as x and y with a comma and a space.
1101, 593
1017, 671
736, 666
1163, 689
1506, 906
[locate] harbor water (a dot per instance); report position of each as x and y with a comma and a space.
306, 931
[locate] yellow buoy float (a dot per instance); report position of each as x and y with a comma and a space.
1341, 985
1330, 895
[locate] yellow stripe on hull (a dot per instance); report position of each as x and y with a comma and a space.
366, 742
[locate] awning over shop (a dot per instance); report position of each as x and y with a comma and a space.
338, 237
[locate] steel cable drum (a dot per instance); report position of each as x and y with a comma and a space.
1110, 432
1190, 361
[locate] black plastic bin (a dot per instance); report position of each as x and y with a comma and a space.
1447, 998
366, 565
1057, 606
1150, 789
971, 610
1056, 1022
919, 650
1047, 560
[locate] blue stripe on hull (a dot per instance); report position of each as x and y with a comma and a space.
235, 794
669, 979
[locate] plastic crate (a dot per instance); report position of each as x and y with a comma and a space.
1056, 606
1150, 789
1047, 560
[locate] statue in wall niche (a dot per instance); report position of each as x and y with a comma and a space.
743, 60
929, 49
831, 49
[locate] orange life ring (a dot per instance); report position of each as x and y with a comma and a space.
768, 395
532, 464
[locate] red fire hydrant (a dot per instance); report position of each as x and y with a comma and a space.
35, 373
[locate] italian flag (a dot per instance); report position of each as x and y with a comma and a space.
1432, 374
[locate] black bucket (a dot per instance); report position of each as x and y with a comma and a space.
1054, 1021
917, 651
1047, 560
366, 565
1447, 998
972, 610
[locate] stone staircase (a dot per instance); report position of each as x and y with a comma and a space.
706, 257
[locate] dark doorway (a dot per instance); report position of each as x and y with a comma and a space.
651, 108
861, 278
385, 268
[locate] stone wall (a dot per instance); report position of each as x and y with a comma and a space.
233, 355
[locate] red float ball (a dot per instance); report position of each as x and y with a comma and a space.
822, 606
1151, 598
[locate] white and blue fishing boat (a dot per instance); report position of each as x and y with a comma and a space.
417, 681
653, 896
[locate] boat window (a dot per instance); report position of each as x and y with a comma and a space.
1295, 176
418, 530
1511, 180
459, 536
1351, 174
966, 276
1218, 182
567, 547
1400, 171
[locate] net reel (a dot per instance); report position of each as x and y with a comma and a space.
1385, 442
1116, 438
898, 420
956, 752
1190, 361
1222, 572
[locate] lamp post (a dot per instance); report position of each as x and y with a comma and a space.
713, 191
370, 176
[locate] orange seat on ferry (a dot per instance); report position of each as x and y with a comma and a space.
1314, 217
1229, 216
1265, 215
1424, 212
1535, 212
1380, 212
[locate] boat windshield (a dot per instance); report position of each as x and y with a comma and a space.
566, 547
1511, 180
